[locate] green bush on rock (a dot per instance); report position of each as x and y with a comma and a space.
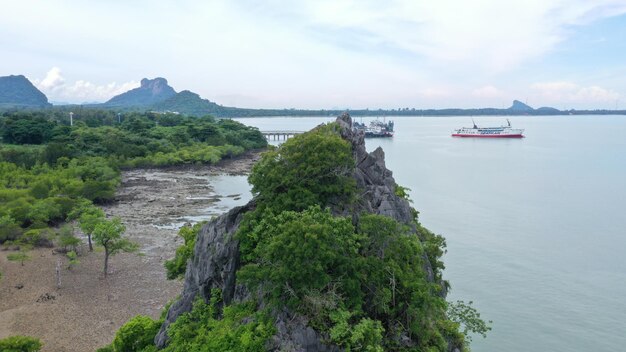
175, 267
238, 328
309, 169
137, 334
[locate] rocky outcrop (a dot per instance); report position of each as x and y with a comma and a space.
519, 106
294, 335
216, 257
215, 261
375, 182
150, 92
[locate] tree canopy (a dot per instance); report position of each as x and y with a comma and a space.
51, 171
108, 234
312, 168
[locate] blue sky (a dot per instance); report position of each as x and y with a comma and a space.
325, 53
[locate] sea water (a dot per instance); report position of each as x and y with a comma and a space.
535, 227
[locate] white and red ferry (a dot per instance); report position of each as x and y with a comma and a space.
489, 132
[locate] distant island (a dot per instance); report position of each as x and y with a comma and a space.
156, 95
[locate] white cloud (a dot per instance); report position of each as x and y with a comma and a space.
53, 80
573, 93
54, 85
492, 35
306, 54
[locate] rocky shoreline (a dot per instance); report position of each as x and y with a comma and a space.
87, 310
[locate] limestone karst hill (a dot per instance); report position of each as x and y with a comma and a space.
218, 258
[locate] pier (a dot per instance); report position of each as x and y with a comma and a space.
280, 135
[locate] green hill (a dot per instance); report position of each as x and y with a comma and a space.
189, 103
18, 91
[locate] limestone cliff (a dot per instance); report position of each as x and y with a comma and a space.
216, 257
150, 92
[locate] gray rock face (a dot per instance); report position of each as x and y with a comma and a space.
294, 335
215, 261
216, 257
150, 92
375, 182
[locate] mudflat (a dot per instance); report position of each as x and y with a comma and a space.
86, 311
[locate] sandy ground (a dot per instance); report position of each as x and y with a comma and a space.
87, 310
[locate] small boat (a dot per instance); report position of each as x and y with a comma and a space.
489, 132
375, 129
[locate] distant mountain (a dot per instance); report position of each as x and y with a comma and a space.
150, 92
189, 103
519, 106
156, 95
546, 110
18, 91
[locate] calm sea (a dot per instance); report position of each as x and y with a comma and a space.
536, 227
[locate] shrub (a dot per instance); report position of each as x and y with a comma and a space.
9, 230
20, 344
241, 328
176, 266
137, 334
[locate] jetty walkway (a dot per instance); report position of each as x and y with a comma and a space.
278, 135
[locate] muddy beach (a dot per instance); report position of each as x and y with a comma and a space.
87, 310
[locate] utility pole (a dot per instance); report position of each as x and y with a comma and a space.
58, 272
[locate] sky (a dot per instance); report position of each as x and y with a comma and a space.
325, 54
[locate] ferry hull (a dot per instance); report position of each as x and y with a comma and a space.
487, 136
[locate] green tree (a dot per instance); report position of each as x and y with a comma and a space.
366, 335
469, 318
9, 230
108, 234
27, 129
89, 218
20, 344
313, 168
303, 252
67, 238
20, 256
72, 259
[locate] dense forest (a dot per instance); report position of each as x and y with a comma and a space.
49, 168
